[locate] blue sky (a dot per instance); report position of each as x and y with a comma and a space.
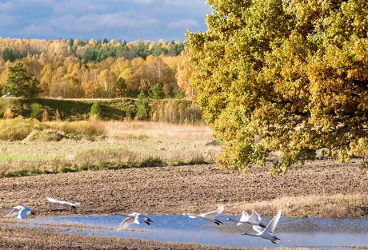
128, 20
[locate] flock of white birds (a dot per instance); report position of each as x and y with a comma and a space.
254, 219
265, 232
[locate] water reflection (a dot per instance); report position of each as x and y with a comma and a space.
293, 232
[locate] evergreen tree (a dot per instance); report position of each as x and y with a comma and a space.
19, 83
176, 48
121, 88
142, 106
96, 111
9, 55
156, 92
34, 88
179, 94
141, 50
157, 50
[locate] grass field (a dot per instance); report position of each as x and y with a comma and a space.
117, 145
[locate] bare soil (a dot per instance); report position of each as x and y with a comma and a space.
166, 190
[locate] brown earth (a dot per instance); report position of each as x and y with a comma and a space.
12, 237
168, 190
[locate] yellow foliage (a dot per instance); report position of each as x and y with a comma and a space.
8, 114
292, 73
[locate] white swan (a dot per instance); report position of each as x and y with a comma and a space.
19, 212
63, 203
132, 218
210, 216
267, 233
254, 219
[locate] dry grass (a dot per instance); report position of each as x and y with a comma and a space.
89, 128
155, 130
18, 128
320, 206
100, 145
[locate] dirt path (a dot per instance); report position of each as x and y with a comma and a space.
174, 190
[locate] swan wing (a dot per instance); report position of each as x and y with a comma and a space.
54, 201
244, 217
125, 223
12, 213
255, 216
137, 219
23, 213
273, 223
51, 200
219, 210
192, 216
66, 203
258, 229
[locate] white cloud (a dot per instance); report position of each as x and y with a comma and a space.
144, 1
34, 29
80, 7
91, 23
183, 24
187, 3
115, 19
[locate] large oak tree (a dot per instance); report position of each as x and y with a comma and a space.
288, 76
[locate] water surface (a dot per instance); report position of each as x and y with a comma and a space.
293, 232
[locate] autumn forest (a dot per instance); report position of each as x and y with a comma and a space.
99, 69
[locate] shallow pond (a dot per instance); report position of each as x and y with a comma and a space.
293, 232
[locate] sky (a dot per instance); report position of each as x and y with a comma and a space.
128, 20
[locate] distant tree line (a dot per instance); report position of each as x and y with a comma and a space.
95, 69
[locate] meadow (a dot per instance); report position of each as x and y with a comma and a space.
31, 147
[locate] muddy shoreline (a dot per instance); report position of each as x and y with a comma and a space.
174, 190
165, 190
